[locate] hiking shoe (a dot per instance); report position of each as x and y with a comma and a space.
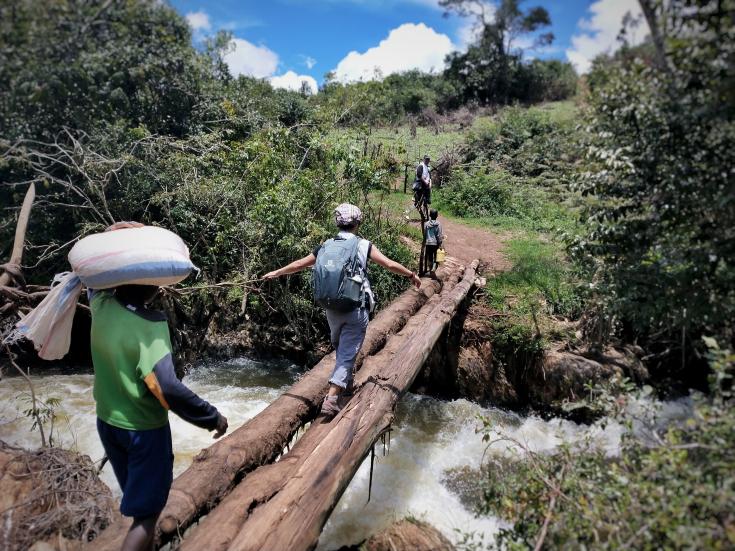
331, 406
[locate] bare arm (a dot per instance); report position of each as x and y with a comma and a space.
393, 266
295, 266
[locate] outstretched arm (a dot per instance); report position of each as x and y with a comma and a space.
295, 266
174, 395
393, 266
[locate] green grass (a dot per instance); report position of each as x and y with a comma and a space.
540, 280
543, 215
400, 143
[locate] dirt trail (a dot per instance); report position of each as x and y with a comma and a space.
467, 243
463, 242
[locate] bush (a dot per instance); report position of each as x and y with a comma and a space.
478, 194
670, 487
527, 142
660, 229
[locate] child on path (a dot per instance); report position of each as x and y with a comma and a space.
433, 241
347, 328
134, 387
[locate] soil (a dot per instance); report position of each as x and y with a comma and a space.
467, 243
405, 535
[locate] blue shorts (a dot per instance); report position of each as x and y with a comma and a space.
143, 461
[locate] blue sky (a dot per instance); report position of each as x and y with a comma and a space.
288, 41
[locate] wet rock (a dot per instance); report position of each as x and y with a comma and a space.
408, 534
562, 374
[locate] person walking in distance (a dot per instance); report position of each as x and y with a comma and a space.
422, 184
342, 287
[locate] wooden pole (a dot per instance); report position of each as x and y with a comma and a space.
222, 524
20, 235
294, 517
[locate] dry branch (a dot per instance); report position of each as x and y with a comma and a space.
20, 236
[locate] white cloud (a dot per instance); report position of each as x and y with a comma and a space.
309, 61
600, 30
198, 20
292, 81
245, 58
410, 46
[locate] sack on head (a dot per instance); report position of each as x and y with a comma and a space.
337, 276
133, 256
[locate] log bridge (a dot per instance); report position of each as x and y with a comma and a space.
254, 490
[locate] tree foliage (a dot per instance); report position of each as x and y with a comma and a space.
491, 71
660, 237
114, 115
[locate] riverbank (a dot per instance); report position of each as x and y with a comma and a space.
438, 436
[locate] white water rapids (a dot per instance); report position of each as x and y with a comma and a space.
429, 437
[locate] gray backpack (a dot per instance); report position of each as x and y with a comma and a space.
338, 275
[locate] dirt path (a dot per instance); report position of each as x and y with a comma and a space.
467, 243
462, 241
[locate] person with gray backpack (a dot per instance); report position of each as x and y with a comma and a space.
342, 288
433, 239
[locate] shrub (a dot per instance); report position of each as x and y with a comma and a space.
480, 194
660, 229
670, 487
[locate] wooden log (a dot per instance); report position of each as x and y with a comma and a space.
217, 469
16, 256
294, 518
217, 530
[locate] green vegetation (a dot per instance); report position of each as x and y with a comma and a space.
516, 176
659, 233
669, 488
491, 72
133, 123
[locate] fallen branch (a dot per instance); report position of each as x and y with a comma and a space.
20, 235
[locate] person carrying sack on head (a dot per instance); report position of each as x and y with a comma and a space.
422, 183
135, 386
434, 237
342, 288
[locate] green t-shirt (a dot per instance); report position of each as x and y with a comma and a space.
125, 348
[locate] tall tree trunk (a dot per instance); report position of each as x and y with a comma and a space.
649, 12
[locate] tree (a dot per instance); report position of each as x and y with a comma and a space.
661, 225
507, 22
81, 64
485, 72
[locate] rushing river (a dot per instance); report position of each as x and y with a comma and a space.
429, 438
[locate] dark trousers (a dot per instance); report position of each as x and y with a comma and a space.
422, 192
430, 258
